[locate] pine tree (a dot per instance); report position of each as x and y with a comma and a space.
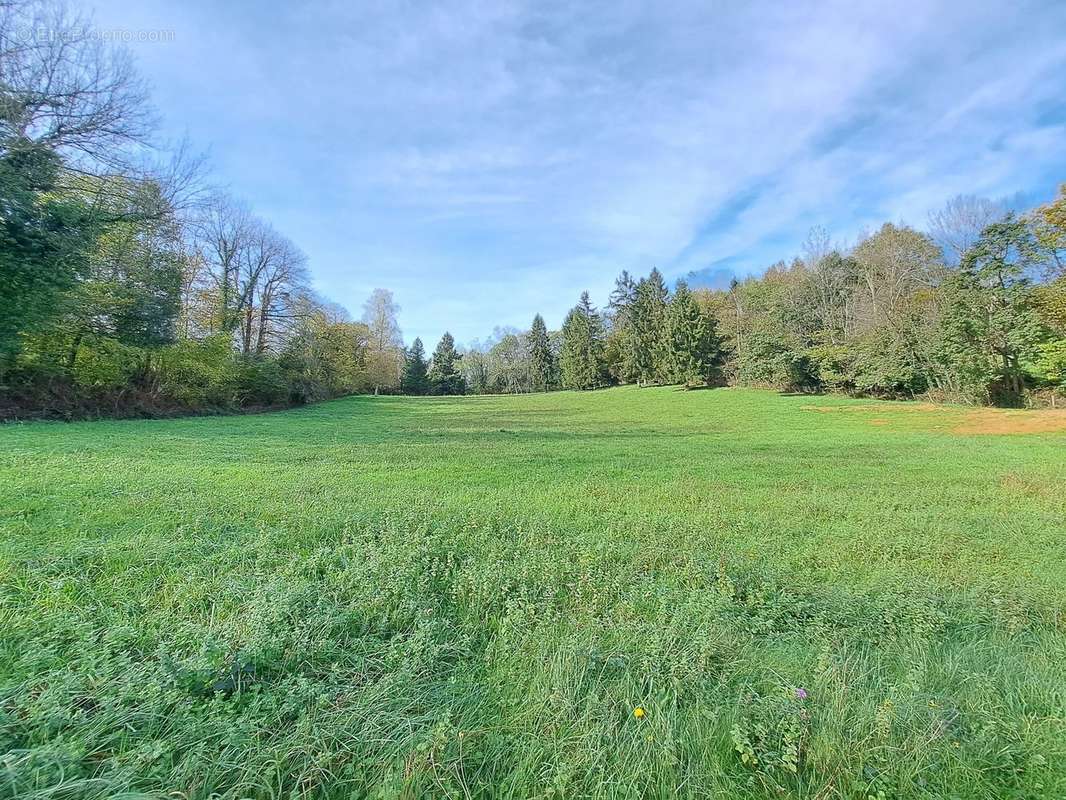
622, 298
581, 359
541, 357
695, 349
415, 378
647, 357
444, 375
618, 346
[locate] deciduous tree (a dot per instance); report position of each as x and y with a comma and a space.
992, 327
386, 342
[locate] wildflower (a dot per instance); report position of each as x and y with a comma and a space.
801, 693
638, 712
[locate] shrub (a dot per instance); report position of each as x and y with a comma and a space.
200, 373
1049, 366
261, 381
103, 364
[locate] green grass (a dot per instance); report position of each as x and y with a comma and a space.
465, 597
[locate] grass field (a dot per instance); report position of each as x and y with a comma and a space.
471, 597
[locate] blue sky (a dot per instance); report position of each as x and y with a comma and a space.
489, 160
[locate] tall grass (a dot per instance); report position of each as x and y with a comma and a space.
469, 597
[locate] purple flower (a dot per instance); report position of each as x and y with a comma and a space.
801, 693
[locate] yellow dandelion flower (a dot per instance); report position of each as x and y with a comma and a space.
638, 712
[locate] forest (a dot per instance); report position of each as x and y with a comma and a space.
130, 285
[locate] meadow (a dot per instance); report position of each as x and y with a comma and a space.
625, 593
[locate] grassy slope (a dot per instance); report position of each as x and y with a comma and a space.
472, 595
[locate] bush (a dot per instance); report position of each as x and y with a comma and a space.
834, 366
769, 360
207, 373
261, 381
200, 373
102, 364
1049, 366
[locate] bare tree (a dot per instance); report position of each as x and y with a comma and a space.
277, 282
816, 246
890, 267
957, 225
829, 294
223, 233
386, 340
63, 88
249, 275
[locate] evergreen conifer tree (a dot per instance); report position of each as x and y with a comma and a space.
618, 345
647, 356
581, 359
444, 375
694, 345
622, 298
415, 378
541, 358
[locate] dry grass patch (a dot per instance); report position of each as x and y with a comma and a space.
982, 421
997, 421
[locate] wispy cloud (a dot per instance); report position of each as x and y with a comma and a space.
490, 160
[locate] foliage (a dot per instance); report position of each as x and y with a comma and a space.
692, 342
646, 350
1049, 362
327, 358
260, 381
44, 244
131, 289
889, 318
1049, 224
1050, 302
542, 360
117, 294
511, 365
385, 354
581, 362
771, 732
200, 373
619, 348
992, 326
444, 374
477, 373
121, 285
415, 378
105, 363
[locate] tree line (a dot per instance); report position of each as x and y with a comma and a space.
127, 285
971, 310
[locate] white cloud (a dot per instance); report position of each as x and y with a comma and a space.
490, 160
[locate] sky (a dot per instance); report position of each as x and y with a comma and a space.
486, 161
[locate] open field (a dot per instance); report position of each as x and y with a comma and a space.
406, 597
